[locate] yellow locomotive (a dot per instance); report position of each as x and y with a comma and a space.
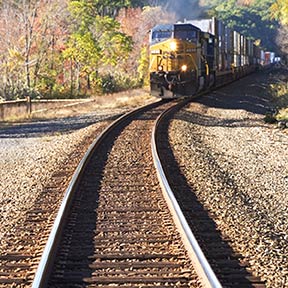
182, 60
198, 54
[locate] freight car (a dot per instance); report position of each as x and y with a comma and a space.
188, 57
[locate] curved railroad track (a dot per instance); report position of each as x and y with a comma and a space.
23, 245
115, 228
230, 268
118, 227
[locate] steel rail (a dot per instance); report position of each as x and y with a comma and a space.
195, 253
48, 255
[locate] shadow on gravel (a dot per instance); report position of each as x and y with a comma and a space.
52, 126
250, 94
223, 260
210, 121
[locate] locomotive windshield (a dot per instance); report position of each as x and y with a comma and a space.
176, 31
161, 32
185, 35
185, 32
161, 35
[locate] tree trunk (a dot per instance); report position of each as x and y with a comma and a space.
71, 78
88, 82
29, 20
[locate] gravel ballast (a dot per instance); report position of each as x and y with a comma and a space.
38, 157
237, 165
30, 154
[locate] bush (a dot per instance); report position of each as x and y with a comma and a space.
111, 83
282, 115
280, 95
108, 84
270, 118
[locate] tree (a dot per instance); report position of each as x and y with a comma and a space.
252, 19
100, 7
50, 37
18, 18
137, 23
30, 49
279, 11
10, 54
96, 41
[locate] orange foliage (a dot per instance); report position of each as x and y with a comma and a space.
245, 2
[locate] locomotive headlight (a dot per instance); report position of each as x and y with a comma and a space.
160, 68
184, 68
173, 46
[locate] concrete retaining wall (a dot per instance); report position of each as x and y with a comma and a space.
12, 109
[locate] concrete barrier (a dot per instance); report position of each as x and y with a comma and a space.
10, 109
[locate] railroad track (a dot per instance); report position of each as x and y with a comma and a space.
230, 268
118, 227
22, 248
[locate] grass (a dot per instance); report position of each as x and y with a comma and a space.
126, 99
14, 120
123, 100
282, 115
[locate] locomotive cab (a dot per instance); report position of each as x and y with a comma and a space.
176, 60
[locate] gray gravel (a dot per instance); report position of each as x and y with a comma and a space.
29, 154
238, 167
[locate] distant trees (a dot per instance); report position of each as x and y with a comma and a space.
53, 48
251, 18
279, 11
30, 32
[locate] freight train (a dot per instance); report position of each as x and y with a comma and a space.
189, 57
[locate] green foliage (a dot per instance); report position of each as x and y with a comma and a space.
279, 92
254, 20
117, 82
83, 50
115, 45
96, 41
98, 7
279, 11
143, 68
139, 3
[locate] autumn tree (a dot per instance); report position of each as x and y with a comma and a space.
19, 45
30, 35
51, 34
137, 23
11, 58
